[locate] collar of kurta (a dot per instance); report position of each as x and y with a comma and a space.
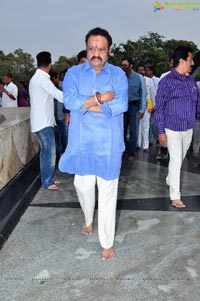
87, 66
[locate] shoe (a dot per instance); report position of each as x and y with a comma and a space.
146, 150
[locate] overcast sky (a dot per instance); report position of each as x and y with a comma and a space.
60, 26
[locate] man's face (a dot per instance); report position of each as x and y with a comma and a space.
6, 79
55, 81
97, 51
148, 72
82, 60
126, 67
186, 66
141, 70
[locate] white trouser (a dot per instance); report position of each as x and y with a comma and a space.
178, 144
143, 134
107, 200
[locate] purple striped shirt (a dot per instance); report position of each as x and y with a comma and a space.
177, 103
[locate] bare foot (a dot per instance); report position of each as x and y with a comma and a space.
108, 254
178, 204
88, 230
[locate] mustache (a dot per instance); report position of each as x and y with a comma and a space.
96, 57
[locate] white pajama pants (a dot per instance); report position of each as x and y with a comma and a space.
143, 134
178, 144
107, 200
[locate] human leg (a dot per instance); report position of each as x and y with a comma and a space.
126, 122
107, 200
85, 188
134, 125
57, 141
145, 129
153, 128
63, 135
46, 140
187, 138
175, 147
139, 140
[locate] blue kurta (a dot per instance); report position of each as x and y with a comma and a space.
96, 140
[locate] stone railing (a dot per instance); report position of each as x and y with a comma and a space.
18, 145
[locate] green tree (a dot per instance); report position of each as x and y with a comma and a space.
23, 64
150, 49
19, 63
64, 63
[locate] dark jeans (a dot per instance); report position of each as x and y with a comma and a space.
131, 119
153, 131
46, 140
61, 137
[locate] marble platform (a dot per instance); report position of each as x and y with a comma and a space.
47, 258
17, 145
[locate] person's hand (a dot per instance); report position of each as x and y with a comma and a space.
140, 115
108, 96
67, 119
162, 139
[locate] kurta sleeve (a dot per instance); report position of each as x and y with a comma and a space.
120, 103
73, 100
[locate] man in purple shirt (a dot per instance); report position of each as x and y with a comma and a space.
177, 105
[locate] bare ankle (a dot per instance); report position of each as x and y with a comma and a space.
88, 230
108, 254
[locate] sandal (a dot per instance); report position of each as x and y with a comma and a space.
53, 187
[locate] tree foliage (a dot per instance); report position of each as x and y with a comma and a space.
64, 63
151, 49
19, 63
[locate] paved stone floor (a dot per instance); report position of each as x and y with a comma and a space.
47, 258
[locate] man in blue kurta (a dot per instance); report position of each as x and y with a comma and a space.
96, 93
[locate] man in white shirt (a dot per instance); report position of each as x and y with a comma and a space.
143, 135
42, 93
153, 133
9, 92
150, 72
